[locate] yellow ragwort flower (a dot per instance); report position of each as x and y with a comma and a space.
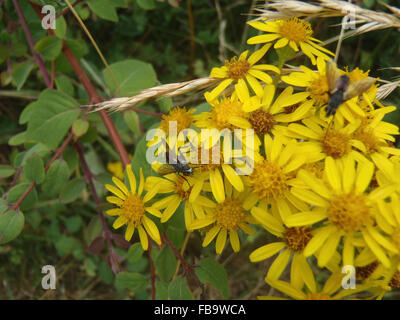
294, 32
346, 208
243, 72
226, 218
132, 209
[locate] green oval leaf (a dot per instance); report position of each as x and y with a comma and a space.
165, 264
56, 178
80, 127
72, 190
6, 171
21, 73
61, 27
34, 169
179, 290
130, 280
131, 75
49, 47
210, 271
11, 224
104, 9
17, 191
132, 121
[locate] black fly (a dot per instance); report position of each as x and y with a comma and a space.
181, 167
341, 89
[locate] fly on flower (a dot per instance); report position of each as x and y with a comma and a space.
181, 167
341, 89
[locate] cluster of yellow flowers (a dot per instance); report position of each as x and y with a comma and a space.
328, 190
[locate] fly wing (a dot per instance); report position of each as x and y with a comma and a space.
332, 74
165, 169
358, 87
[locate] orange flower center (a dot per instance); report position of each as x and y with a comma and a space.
297, 238
237, 69
349, 212
262, 121
295, 29
336, 144
133, 209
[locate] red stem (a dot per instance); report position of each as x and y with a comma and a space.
31, 44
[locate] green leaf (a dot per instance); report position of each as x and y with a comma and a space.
21, 73
6, 171
131, 75
165, 264
65, 245
80, 127
49, 47
132, 121
179, 290
51, 117
104, 9
161, 290
135, 252
146, 4
64, 84
17, 191
17, 139
72, 190
34, 169
130, 280
210, 271
74, 223
11, 225
105, 273
61, 27
139, 159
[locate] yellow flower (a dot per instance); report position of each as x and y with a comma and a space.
294, 240
226, 218
332, 289
345, 208
270, 180
336, 141
225, 113
243, 72
132, 208
271, 116
181, 192
181, 115
294, 32
116, 168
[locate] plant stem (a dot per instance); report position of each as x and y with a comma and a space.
31, 44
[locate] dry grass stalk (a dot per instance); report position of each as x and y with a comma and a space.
386, 89
370, 20
165, 90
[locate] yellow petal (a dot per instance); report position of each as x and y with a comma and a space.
152, 229
257, 55
129, 231
263, 38
234, 240
141, 183
332, 174
131, 178
328, 249
305, 218
120, 185
217, 185
281, 43
210, 235
221, 241
279, 265
116, 191
318, 240
233, 177
266, 251
143, 238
